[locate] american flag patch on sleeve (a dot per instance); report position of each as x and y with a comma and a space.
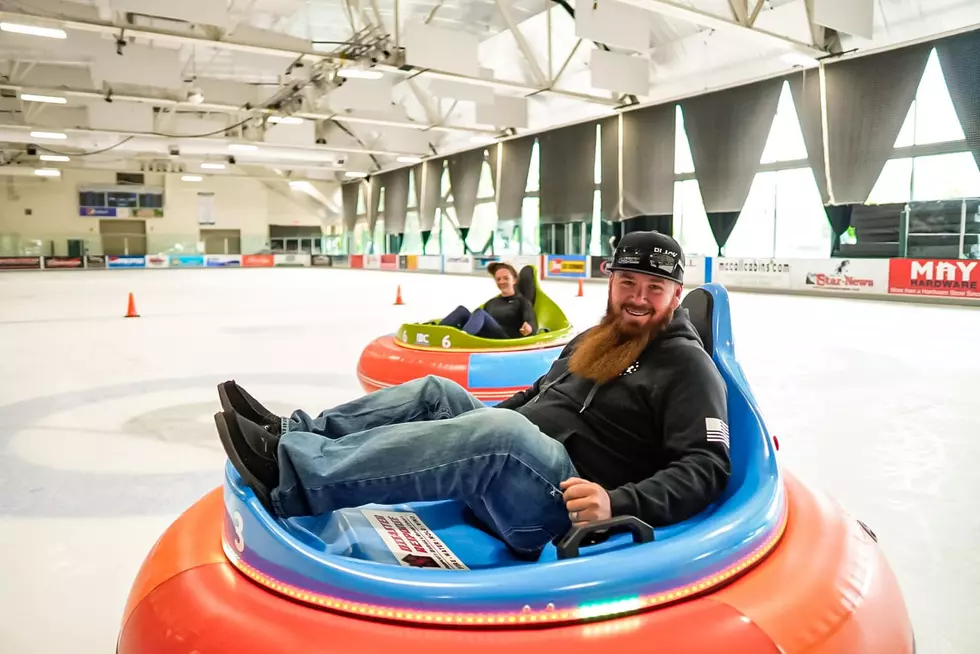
717, 431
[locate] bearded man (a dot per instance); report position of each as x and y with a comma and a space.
631, 419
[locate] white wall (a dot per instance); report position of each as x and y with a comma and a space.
245, 204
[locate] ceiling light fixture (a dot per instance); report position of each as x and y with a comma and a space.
33, 30
213, 166
286, 120
47, 172
59, 136
480, 139
354, 173
409, 159
243, 147
191, 178
359, 73
49, 99
54, 157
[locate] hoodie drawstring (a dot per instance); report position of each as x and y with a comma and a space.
588, 399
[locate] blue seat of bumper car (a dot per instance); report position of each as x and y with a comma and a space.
433, 555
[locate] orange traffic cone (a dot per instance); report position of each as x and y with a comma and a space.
398, 296
131, 311
581, 289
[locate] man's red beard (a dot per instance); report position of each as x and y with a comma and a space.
613, 346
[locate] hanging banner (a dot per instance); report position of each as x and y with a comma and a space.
752, 273
56, 263
566, 265
20, 263
126, 262
157, 261
860, 276
458, 265
258, 261
222, 260
952, 278
205, 208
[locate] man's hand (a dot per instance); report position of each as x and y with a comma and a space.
586, 502
525, 329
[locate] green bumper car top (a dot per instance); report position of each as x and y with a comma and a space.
553, 326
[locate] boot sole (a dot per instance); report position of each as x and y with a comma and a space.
224, 396
233, 445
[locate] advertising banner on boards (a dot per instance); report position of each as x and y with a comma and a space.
340, 261
752, 273
157, 261
697, 271
566, 265
258, 261
954, 278
20, 263
430, 263
357, 261
95, 261
860, 276
458, 265
62, 263
372, 262
480, 263
187, 261
389, 262
597, 267
291, 260
222, 260
321, 261
126, 262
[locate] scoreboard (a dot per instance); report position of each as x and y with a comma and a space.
126, 201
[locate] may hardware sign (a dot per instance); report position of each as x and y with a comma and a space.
566, 265
936, 278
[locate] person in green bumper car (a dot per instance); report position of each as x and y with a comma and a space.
508, 315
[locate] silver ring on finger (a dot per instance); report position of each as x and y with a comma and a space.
574, 516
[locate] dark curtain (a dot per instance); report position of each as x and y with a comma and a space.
396, 200
609, 152
349, 194
373, 201
428, 193
806, 96
663, 224
648, 161
567, 173
839, 217
464, 179
514, 164
727, 131
960, 58
722, 223
868, 99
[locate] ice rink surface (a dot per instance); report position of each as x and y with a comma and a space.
106, 430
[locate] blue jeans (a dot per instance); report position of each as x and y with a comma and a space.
428, 439
478, 323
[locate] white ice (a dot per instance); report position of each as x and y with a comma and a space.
871, 401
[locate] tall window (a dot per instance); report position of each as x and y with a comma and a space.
449, 239
783, 215
531, 208
912, 175
378, 239
412, 243
691, 228
485, 215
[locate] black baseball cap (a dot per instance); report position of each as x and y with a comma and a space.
649, 253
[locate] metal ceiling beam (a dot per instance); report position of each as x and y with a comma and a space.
677, 11
523, 45
201, 40
21, 169
217, 142
227, 108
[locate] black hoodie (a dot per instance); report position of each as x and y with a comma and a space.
656, 437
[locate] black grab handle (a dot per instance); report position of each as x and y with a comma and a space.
569, 544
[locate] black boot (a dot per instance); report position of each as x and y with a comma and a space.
248, 448
234, 398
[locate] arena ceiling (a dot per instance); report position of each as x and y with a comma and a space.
325, 90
